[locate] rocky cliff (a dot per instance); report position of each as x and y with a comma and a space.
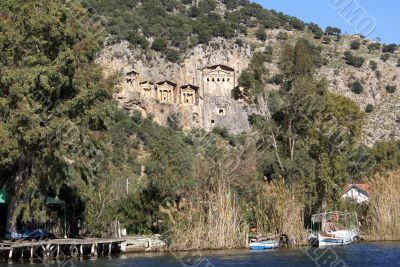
382, 121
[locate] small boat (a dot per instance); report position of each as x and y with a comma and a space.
326, 232
262, 245
336, 238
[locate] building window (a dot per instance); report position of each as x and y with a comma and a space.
221, 111
213, 79
217, 79
223, 79
208, 79
212, 121
227, 79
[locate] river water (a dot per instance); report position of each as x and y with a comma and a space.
362, 254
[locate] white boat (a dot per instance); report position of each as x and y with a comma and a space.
333, 229
336, 238
262, 245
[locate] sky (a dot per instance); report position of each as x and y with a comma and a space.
372, 18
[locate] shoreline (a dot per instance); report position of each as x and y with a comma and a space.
93, 247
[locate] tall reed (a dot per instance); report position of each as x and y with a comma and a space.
213, 224
280, 210
383, 219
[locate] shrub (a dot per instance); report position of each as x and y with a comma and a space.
282, 36
389, 48
174, 121
355, 45
391, 89
373, 65
316, 30
378, 74
269, 50
357, 87
223, 132
159, 44
246, 79
333, 31
374, 46
353, 60
261, 34
297, 24
385, 57
276, 79
326, 40
239, 42
207, 5
318, 35
369, 108
172, 55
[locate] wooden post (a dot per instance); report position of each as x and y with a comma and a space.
118, 230
31, 252
47, 251
109, 248
58, 250
93, 250
22, 253
123, 247
81, 250
102, 250
10, 253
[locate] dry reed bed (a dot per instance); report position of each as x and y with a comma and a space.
383, 216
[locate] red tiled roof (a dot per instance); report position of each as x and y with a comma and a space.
362, 187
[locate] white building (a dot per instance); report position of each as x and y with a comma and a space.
357, 192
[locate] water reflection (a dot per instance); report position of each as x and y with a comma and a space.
363, 254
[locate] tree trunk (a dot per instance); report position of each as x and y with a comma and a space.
24, 171
277, 152
12, 208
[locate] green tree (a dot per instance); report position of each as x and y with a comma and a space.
373, 65
385, 57
52, 99
369, 108
389, 48
357, 87
326, 40
352, 60
261, 34
391, 89
159, 44
297, 61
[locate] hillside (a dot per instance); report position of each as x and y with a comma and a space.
267, 119
235, 30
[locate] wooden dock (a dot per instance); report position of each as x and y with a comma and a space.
56, 247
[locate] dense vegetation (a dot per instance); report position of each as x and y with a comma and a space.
171, 26
61, 134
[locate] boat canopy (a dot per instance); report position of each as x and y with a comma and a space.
334, 219
333, 215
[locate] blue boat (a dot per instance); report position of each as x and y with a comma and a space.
263, 245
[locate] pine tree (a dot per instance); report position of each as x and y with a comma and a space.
52, 98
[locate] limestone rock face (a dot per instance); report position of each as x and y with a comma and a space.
224, 112
212, 69
215, 107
